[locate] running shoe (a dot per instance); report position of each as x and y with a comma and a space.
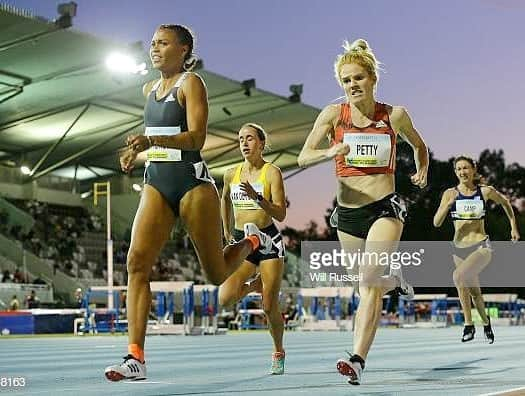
277, 363
404, 289
129, 369
334, 218
266, 243
351, 369
489, 334
468, 333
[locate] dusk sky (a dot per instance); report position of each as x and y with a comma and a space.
457, 66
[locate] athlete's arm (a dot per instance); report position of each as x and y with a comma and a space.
494, 195
323, 126
402, 124
128, 154
447, 200
277, 207
226, 206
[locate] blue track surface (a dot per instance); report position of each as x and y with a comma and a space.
402, 361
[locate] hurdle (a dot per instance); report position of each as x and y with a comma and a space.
166, 295
209, 308
438, 311
503, 309
520, 320
244, 314
89, 323
327, 317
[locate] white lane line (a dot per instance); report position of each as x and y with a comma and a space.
505, 392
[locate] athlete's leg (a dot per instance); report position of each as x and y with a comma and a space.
151, 229
234, 288
468, 270
479, 303
383, 236
200, 211
463, 294
271, 276
466, 279
350, 243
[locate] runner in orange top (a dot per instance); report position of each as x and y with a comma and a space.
370, 215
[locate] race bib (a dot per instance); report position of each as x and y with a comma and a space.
469, 209
159, 154
368, 150
240, 200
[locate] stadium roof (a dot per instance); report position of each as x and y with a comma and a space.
62, 109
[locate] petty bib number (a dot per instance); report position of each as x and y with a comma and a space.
368, 149
158, 154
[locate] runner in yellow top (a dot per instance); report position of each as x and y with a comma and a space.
255, 191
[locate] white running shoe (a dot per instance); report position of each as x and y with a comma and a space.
129, 369
404, 289
352, 370
254, 278
334, 219
277, 363
266, 243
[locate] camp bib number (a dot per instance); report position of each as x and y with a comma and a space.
241, 201
368, 149
469, 209
156, 153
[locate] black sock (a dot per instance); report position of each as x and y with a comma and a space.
357, 358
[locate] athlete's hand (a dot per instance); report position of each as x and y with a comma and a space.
138, 142
247, 188
452, 195
127, 159
514, 235
419, 178
338, 149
